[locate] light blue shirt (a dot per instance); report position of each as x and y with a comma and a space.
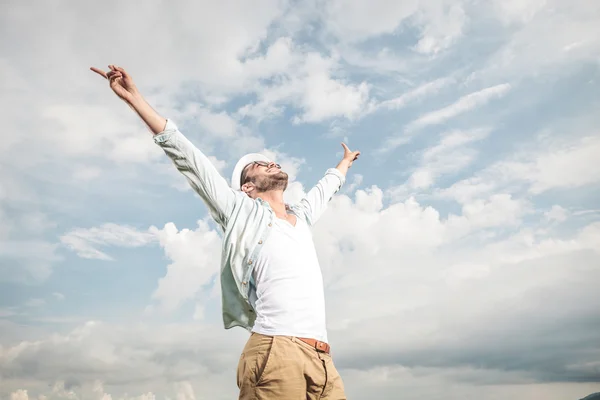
245, 222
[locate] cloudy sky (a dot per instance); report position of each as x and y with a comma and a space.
461, 260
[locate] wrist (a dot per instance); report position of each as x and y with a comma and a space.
135, 99
343, 166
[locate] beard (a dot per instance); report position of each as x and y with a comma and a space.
278, 181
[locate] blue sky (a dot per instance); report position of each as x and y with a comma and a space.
460, 259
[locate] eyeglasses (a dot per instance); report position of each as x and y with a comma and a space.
265, 163
244, 179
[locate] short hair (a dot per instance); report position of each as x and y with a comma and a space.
244, 177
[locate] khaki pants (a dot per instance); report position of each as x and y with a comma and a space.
283, 367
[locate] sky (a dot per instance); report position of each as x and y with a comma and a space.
460, 259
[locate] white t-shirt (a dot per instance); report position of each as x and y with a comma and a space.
289, 298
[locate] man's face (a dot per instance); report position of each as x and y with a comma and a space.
265, 176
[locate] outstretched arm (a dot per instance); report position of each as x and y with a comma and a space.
122, 84
201, 174
316, 200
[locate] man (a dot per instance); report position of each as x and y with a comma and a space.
270, 276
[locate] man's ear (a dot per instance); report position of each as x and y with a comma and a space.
247, 187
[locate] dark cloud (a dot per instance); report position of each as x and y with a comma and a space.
547, 333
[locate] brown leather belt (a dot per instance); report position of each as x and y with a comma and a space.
319, 346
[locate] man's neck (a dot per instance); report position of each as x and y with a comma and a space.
275, 200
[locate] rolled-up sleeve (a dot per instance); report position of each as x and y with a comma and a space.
316, 200
170, 129
199, 171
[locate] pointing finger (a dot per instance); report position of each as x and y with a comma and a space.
99, 72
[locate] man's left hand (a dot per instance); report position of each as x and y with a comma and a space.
350, 156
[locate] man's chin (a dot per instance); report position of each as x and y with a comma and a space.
282, 181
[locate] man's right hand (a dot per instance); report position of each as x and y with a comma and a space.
120, 82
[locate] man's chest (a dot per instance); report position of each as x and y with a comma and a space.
289, 252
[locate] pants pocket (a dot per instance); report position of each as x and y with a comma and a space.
254, 362
266, 363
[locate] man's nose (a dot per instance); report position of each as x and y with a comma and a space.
272, 164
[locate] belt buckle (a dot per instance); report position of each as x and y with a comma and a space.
320, 346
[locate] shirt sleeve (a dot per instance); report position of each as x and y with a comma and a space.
199, 171
316, 200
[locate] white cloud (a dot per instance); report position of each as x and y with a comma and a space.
424, 90
325, 98
563, 164
7, 312
195, 259
438, 383
219, 164
85, 173
61, 391
195, 255
95, 391
462, 105
527, 246
518, 10
411, 250
84, 241
474, 287
35, 302
219, 124
19, 395
356, 20
439, 265
199, 311
501, 209
277, 60
58, 296
100, 131
311, 87
217, 65
185, 391
294, 193
465, 190
442, 25
571, 166
81, 129
556, 213
453, 139
27, 261
98, 359
357, 180
98, 389
543, 38
449, 156
145, 396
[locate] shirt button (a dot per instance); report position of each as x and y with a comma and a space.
250, 262
260, 242
270, 224
243, 283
